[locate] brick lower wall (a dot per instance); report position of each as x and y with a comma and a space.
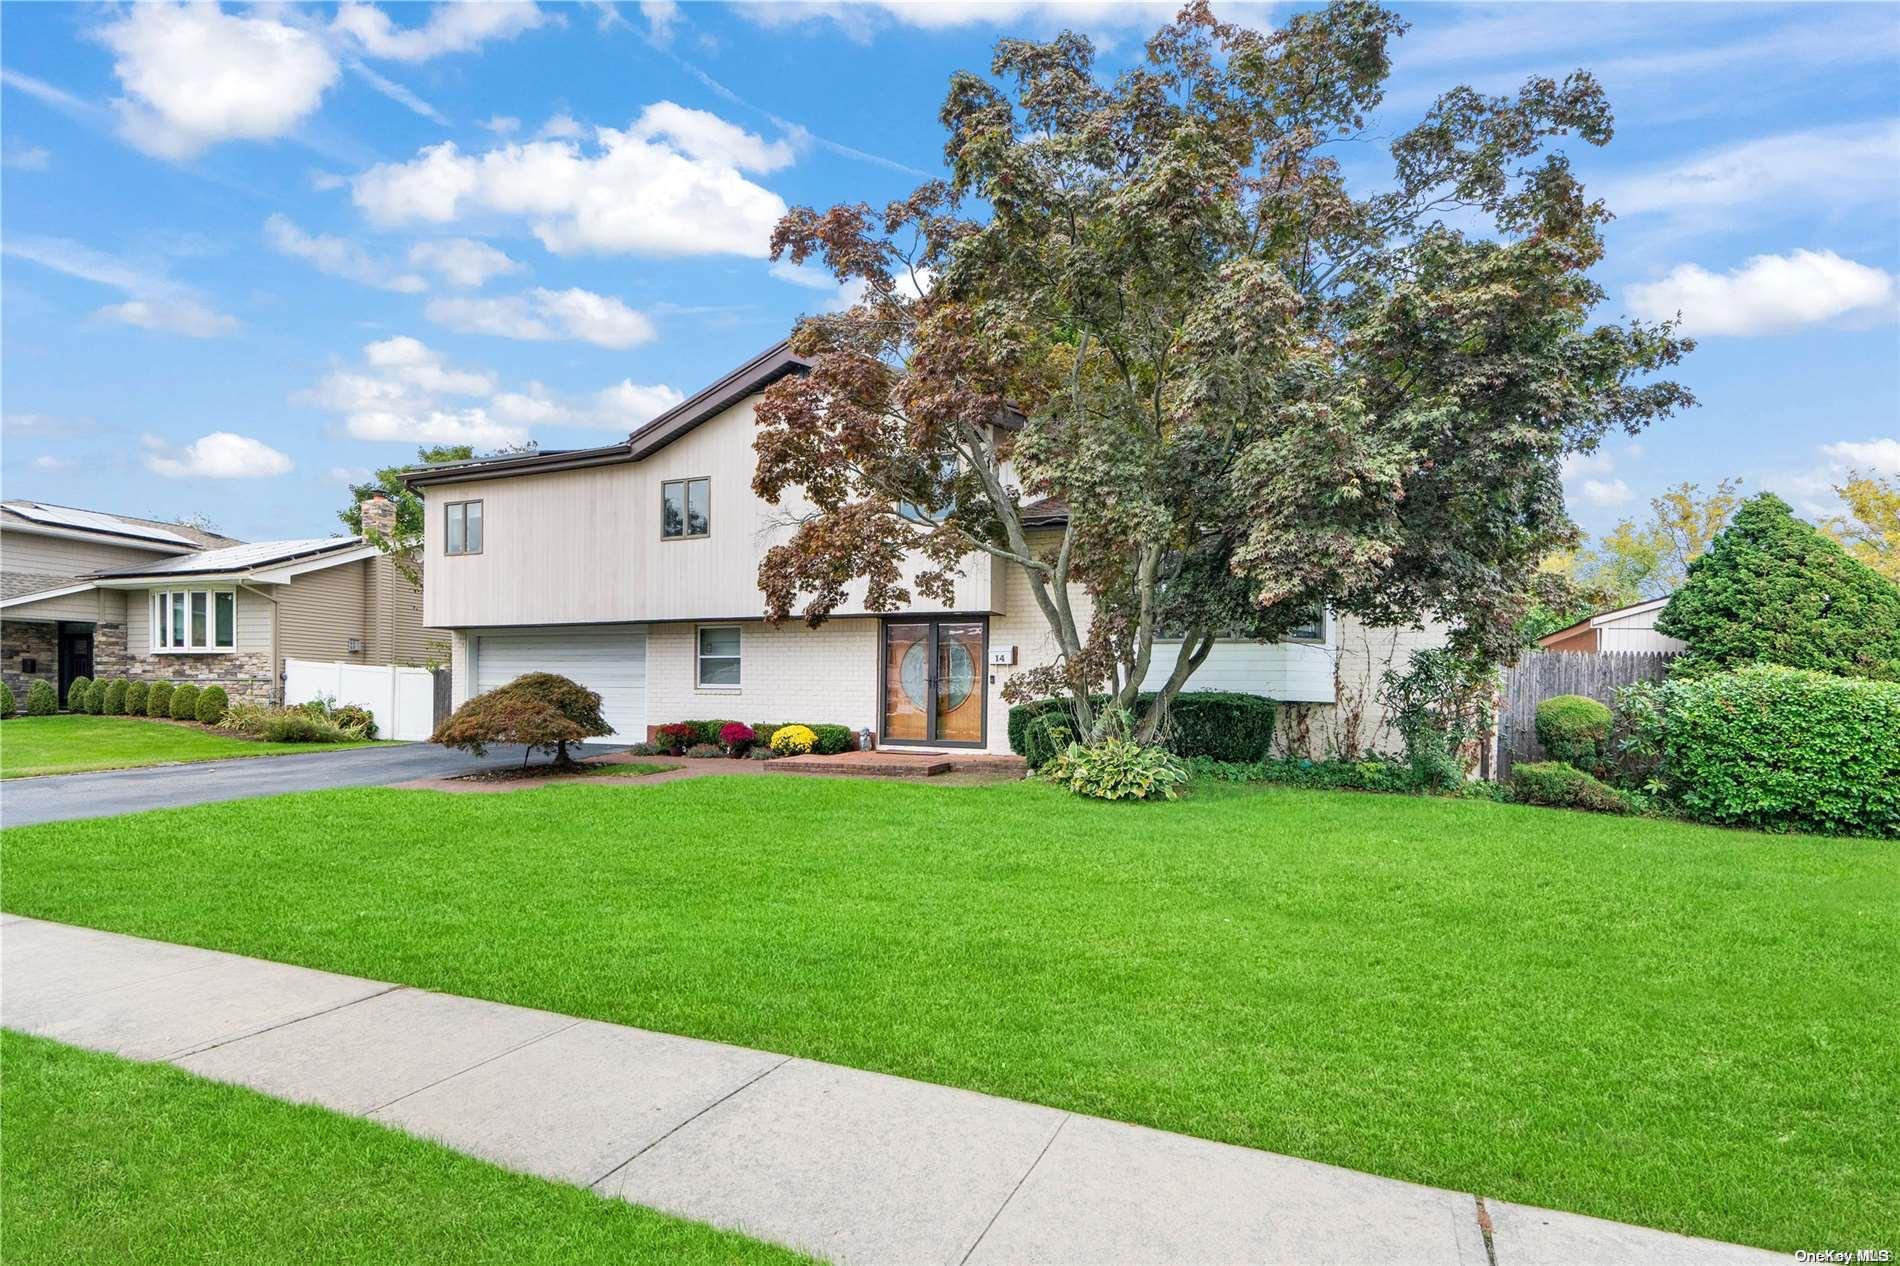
28, 639
824, 676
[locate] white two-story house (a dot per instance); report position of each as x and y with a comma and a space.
632, 568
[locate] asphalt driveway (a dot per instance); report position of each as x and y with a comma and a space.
59, 797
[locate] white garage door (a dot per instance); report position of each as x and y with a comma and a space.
611, 661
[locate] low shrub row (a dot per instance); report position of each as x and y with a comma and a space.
184, 701
1201, 724
737, 739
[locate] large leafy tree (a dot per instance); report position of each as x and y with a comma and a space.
1870, 530
1775, 590
1157, 302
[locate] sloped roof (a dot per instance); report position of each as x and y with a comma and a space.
236, 557
136, 531
20, 584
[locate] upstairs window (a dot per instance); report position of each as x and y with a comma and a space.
194, 620
464, 535
685, 509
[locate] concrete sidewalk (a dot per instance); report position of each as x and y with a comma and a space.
848, 1165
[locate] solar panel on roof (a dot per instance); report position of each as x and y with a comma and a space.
92, 521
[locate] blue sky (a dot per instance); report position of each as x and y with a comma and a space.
252, 253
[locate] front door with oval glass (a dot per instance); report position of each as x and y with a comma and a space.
934, 681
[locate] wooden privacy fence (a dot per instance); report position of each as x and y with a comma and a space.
1540, 675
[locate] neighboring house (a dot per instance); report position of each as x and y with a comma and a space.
1631, 628
88, 594
632, 568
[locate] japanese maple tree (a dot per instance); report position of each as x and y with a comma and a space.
1157, 302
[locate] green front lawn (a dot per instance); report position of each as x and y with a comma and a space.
1666, 1024
69, 744
110, 1161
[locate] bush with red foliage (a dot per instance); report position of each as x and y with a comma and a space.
542, 711
676, 737
736, 737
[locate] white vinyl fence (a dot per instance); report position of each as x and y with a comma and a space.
401, 699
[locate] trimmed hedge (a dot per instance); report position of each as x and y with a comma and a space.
96, 699
1574, 729
135, 692
79, 695
213, 703
115, 697
1552, 782
158, 700
1784, 749
42, 700
7, 703
1216, 724
185, 702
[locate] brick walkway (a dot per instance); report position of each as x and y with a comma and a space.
852, 1166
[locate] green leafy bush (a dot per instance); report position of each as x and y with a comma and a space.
115, 697
1117, 769
42, 700
294, 725
185, 701
79, 695
248, 718
7, 703
158, 700
135, 692
1438, 704
1216, 724
213, 703
1575, 729
1781, 749
1046, 734
1323, 775
706, 751
96, 698
1552, 782
1774, 590
357, 720
830, 740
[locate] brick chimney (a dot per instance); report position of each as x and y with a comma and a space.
379, 515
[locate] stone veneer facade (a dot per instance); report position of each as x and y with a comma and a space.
245, 675
28, 639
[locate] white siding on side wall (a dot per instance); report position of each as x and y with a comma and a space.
826, 675
1295, 672
1636, 632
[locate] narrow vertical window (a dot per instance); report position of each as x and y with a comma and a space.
472, 530
200, 634
161, 619
178, 619
458, 538
224, 603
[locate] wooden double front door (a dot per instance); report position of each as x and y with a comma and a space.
934, 680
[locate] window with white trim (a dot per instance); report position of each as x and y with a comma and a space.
719, 655
194, 620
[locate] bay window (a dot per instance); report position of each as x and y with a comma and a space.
194, 620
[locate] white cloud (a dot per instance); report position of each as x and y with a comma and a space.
49, 94
542, 315
25, 157
1877, 456
399, 395
1811, 490
1833, 168
1606, 492
413, 362
1768, 294
502, 124
809, 275
398, 93
195, 76
860, 19
562, 127
350, 474
171, 316
219, 455
338, 257
661, 16
324, 181
451, 28
48, 462
19, 424
699, 134
461, 261
670, 184
1580, 465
